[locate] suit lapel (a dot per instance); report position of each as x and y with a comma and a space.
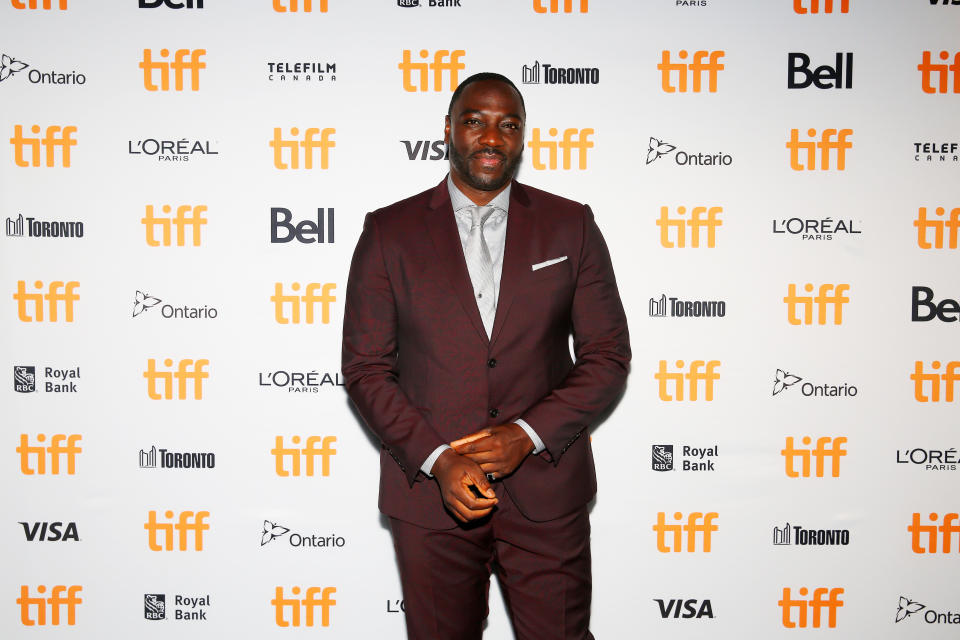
516, 255
442, 228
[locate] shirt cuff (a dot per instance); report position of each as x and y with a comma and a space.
538, 445
427, 465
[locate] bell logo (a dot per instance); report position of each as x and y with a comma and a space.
938, 227
438, 66
309, 300
817, 604
825, 144
695, 69
930, 533
932, 393
541, 6
53, 138
309, 454
829, 294
813, 6
826, 447
696, 523
35, 4
308, 144
55, 602
186, 216
54, 297
700, 217
56, 449
160, 534
292, 5
567, 145
186, 370
179, 65
940, 73
694, 377
309, 604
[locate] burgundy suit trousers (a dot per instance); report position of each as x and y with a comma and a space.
543, 568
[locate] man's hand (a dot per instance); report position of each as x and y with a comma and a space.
455, 473
501, 451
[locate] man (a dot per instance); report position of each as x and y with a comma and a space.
459, 308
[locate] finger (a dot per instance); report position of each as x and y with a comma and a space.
482, 457
479, 479
465, 440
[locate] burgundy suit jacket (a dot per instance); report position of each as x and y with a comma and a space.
419, 366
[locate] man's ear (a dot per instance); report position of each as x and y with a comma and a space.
446, 129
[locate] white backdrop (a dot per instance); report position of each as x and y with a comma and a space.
234, 111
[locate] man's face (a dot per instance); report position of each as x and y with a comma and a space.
484, 132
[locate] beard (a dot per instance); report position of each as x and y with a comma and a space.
484, 181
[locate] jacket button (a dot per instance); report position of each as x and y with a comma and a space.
494, 413
492, 362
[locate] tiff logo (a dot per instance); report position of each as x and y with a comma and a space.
691, 528
438, 66
939, 72
951, 226
826, 144
695, 70
56, 600
829, 294
34, 4
55, 137
56, 449
309, 300
308, 605
54, 296
160, 535
826, 448
567, 145
695, 376
932, 393
292, 6
817, 604
186, 370
309, 454
696, 222
179, 65
933, 532
308, 144
186, 216
800, 6
554, 6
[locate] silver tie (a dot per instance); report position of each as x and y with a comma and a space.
480, 266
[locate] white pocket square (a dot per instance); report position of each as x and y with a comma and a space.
547, 263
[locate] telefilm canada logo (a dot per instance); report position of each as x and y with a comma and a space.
155, 458
182, 150
300, 381
55, 379
660, 148
670, 307
10, 68
936, 152
816, 228
929, 459
691, 458
273, 531
143, 302
906, 608
801, 536
543, 73
784, 380
21, 227
301, 72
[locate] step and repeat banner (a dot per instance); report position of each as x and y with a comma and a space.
182, 184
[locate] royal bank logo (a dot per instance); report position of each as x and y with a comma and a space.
300, 381
940, 77
664, 307
809, 613
935, 232
929, 459
838, 76
182, 150
163, 229
676, 538
907, 607
144, 302
702, 69
659, 148
703, 220
283, 230
936, 152
691, 458
429, 3
425, 149
299, 72
272, 531
154, 606
816, 228
805, 461
192, 608
552, 74
42, 611
50, 531
176, 459
803, 537
43, 228
10, 66
184, 62
685, 609
416, 75
784, 381
26, 149
25, 379
408, 4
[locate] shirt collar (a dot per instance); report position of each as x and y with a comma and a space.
459, 201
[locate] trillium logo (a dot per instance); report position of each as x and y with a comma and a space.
907, 608
9, 66
142, 302
784, 380
272, 531
658, 149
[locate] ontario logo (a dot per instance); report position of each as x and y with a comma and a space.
659, 148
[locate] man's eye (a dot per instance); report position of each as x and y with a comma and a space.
511, 125
471, 121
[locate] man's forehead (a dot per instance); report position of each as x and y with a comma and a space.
482, 93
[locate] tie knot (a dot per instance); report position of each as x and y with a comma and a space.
480, 214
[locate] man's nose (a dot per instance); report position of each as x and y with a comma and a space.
491, 136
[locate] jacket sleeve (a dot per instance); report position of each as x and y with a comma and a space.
369, 358
601, 346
